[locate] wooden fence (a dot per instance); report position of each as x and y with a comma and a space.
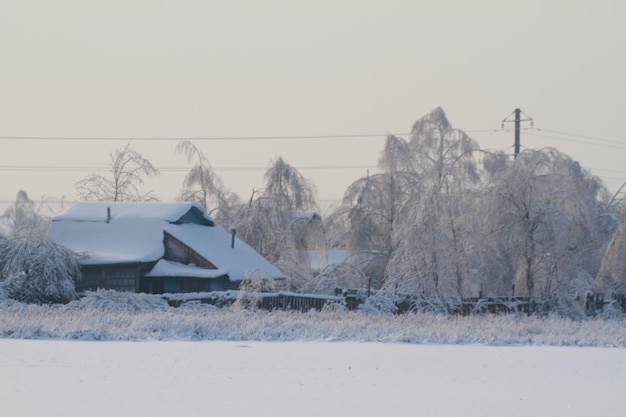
266, 301
351, 299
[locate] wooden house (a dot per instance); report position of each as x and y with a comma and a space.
155, 248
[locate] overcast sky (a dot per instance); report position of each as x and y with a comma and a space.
198, 69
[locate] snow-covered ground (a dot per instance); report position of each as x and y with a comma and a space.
117, 354
217, 378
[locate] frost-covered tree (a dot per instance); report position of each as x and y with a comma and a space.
434, 240
37, 270
129, 169
551, 224
22, 218
414, 214
204, 186
288, 188
272, 221
373, 206
261, 225
612, 274
444, 155
536, 225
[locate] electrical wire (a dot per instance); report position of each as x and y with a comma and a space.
581, 136
205, 138
532, 131
173, 169
575, 140
220, 138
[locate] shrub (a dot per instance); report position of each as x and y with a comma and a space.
37, 270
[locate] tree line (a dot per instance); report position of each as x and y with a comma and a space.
441, 218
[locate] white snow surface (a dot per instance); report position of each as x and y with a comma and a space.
217, 378
133, 355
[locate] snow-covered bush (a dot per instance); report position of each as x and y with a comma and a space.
3, 292
37, 270
250, 289
566, 306
381, 302
86, 319
118, 301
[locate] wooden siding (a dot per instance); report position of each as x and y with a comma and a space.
177, 251
174, 285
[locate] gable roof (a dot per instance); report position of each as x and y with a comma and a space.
214, 245
121, 233
177, 212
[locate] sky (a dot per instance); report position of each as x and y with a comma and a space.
303, 78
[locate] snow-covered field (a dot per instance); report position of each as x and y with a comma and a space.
115, 354
216, 378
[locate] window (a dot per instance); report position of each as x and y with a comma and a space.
112, 279
120, 280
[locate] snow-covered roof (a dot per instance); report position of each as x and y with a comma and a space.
121, 240
134, 233
214, 244
165, 268
102, 210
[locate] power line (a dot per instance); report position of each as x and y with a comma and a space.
608, 170
576, 141
205, 138
528, 131
218, 138
34, 168
581, 136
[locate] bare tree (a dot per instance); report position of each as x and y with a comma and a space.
129, 169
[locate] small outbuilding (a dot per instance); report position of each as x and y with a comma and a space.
155, 248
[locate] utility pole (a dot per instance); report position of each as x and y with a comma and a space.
517, 125
518, 121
